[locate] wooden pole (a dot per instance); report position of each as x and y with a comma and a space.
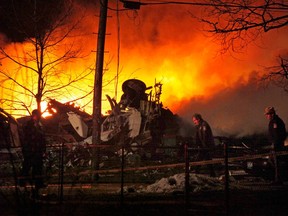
96, 131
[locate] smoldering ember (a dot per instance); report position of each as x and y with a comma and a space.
143, 164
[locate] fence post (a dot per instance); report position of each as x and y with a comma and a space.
186, 155
122, 174
61, 171
226, 177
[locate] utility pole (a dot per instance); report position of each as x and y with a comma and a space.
97, 97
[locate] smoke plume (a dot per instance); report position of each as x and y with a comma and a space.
165, 44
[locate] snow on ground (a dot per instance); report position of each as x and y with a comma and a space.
176, 183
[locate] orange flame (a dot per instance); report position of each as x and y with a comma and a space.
159, 43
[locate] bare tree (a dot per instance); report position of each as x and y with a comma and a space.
239, 22
47, 38
278, 74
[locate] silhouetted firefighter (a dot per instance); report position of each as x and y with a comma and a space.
33, 149
277, 133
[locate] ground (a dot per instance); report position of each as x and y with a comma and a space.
167, 196
147, 187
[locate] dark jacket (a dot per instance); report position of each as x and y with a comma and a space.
277, 132
204, 137
34, 141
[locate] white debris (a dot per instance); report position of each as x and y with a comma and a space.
197, 182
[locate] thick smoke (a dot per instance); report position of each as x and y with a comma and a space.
238, 111
165, 43
16, 21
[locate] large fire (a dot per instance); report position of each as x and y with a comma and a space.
158, 43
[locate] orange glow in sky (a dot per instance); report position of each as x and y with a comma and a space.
162, 43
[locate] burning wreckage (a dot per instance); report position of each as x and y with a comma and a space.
139, 117
138, 121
